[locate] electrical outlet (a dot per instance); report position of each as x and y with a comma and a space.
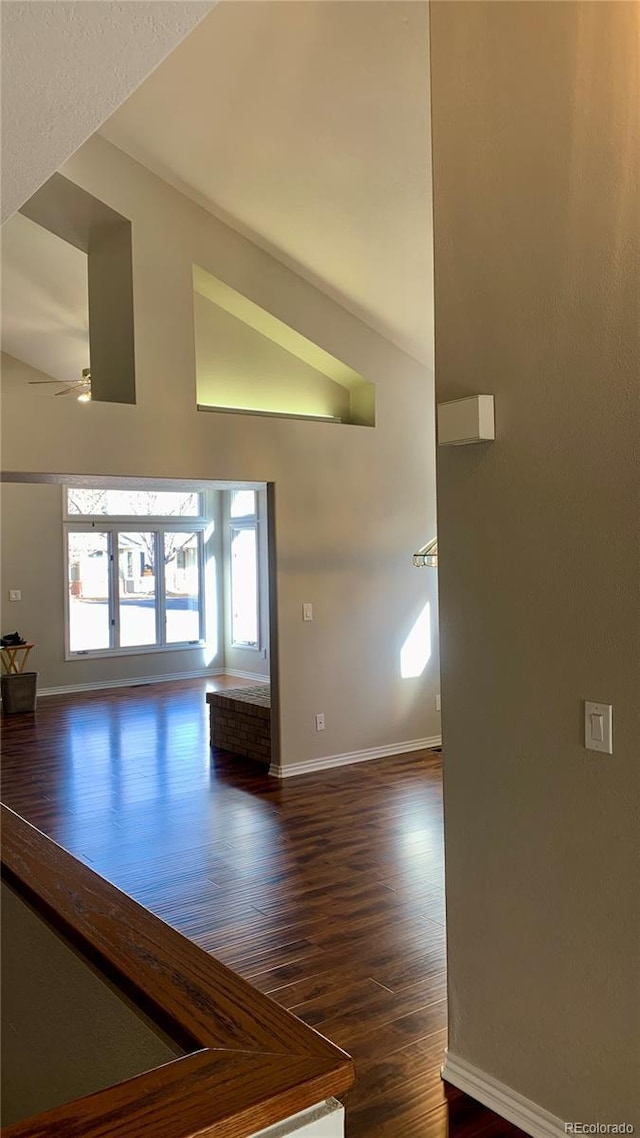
15, 595
320, 721
438, 702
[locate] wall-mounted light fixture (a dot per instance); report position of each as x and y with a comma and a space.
468, 420
427, 557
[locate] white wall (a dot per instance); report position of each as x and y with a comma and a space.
536, 151
351, 503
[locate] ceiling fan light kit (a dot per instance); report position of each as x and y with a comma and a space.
81, 388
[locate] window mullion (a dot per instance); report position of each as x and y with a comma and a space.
201, 587
114, 608
161, 598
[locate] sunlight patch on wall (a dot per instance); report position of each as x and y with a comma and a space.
416, 650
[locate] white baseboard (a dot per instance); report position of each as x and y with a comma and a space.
509, 1104
259, 677
98, 685
328, 761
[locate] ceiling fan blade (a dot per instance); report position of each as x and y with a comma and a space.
79, 386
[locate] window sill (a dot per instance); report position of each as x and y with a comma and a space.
144, 650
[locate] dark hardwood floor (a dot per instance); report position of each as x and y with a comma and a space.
325, 890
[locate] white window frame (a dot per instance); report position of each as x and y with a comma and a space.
244, 522
113, 525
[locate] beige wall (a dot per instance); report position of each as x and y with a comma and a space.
352, 503
537, 244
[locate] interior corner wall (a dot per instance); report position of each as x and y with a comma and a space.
537, 271
351, 503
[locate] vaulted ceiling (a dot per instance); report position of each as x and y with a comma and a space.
65, 67
305, 126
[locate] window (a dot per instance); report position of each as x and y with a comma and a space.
243, 505
133, 587
243, 527
127, 503
89, 621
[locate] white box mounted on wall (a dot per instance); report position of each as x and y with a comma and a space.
468, 420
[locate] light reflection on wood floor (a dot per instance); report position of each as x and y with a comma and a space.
325, 890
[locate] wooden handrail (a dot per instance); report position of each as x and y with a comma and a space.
250, 1062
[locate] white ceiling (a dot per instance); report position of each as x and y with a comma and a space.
65, 67
306, 127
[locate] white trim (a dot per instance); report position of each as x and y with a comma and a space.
134, 650
247, 523
259, 677
320, 1121
267, 414
113, 530
509, 1104
328, 761
133, 681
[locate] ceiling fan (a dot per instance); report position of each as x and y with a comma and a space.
81, 388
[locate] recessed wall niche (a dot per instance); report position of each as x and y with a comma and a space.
249, 361
45, 304
87, 224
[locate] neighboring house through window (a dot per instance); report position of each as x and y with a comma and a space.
244, 567
135, 570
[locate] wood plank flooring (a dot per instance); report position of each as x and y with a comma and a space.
325, 890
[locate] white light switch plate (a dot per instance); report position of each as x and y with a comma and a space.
307, 611
598, 727
15, 595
